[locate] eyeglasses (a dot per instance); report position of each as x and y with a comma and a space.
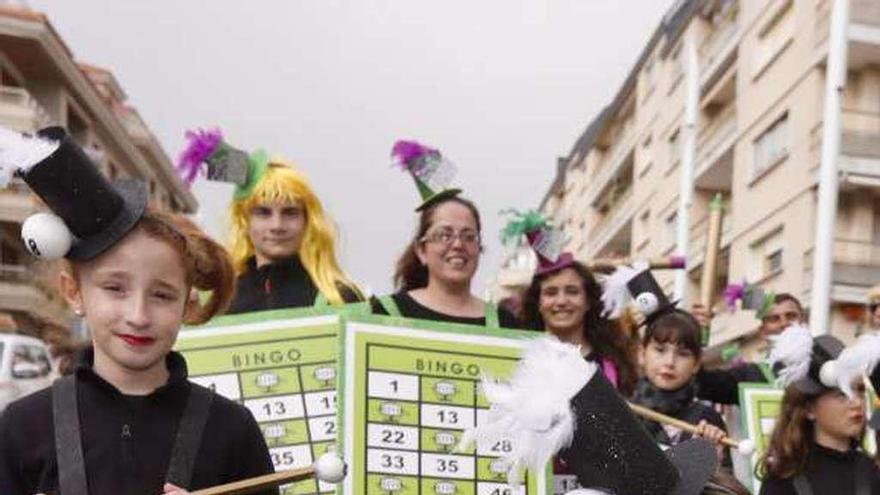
447, 237
789, 316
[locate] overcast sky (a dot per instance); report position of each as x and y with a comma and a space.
501, 87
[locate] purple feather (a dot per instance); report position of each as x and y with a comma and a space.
404, 152
678, 261
734, 293
200, 146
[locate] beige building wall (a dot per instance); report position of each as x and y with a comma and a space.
41, 84
758, 144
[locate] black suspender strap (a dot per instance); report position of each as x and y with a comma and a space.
189, 436
68, 441
802, 485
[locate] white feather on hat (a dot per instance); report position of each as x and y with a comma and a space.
856, 360
615, 295
533, 409
19, 153
792, 348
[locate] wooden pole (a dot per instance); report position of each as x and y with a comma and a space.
252, 485
606, 265
681, 425
710, 259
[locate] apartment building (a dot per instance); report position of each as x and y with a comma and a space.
761, 68
42, 84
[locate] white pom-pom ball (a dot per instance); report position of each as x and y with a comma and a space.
746, 447
647, 303
828, 374
46, 236
330, 468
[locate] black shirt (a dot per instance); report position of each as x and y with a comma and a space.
126, 439
829, 472
410, 308
280, 285
721, 386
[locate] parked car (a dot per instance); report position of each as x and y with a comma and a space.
25, 367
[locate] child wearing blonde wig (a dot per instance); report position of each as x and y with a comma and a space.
284, 246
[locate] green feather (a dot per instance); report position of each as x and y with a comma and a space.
521, 224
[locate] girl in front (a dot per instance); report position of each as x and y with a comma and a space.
815, 445
127, 420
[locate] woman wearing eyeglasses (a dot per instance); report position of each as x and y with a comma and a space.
433, 276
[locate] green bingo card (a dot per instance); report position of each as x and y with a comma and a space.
410, 389
281, 365
760, 405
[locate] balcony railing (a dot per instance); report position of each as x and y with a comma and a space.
861, 253
718, 131
861, 133
19, 110
617, 156
715, 47
864, 12
622, 210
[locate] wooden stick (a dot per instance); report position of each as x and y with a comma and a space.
610, 264
681, 425
710, 259
251, 485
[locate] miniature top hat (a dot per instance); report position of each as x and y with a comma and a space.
90, 213
558, 402
753, 298
224, 162
634, 282
431, 172
545, 240
815, 365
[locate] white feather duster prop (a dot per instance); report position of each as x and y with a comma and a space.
793, 349
19, 153
615, 295
532, 410
856, 360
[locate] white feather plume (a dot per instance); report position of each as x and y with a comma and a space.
19, 153
532, 410
792, 348
615, 295
856, 360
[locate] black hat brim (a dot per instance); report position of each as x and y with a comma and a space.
440, 196
134, 195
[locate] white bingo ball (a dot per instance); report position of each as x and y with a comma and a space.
330, 468
46, 236
647, 303
828, 374
746, 447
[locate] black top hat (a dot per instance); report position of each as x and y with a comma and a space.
612, 451
638, 283
97, 212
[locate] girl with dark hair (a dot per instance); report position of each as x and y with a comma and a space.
566, 302
433, 276
127, 420
815, 444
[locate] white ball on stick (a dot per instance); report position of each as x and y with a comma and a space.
330, 468
46, 236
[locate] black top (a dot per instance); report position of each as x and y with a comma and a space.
276, 286
829, 472
126, 439
722, 385
410, 308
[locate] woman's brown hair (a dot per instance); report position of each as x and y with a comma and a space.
410, 273
786, 455
604, 335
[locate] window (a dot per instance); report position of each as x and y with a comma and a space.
674, 149
771, 146
766, 256
774, 35
671, 229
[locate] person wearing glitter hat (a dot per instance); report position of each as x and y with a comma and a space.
283, 241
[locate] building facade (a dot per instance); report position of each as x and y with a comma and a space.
761, 79
41, 84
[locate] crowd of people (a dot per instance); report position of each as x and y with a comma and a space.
136, 275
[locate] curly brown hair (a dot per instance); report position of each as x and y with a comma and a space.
604, 335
